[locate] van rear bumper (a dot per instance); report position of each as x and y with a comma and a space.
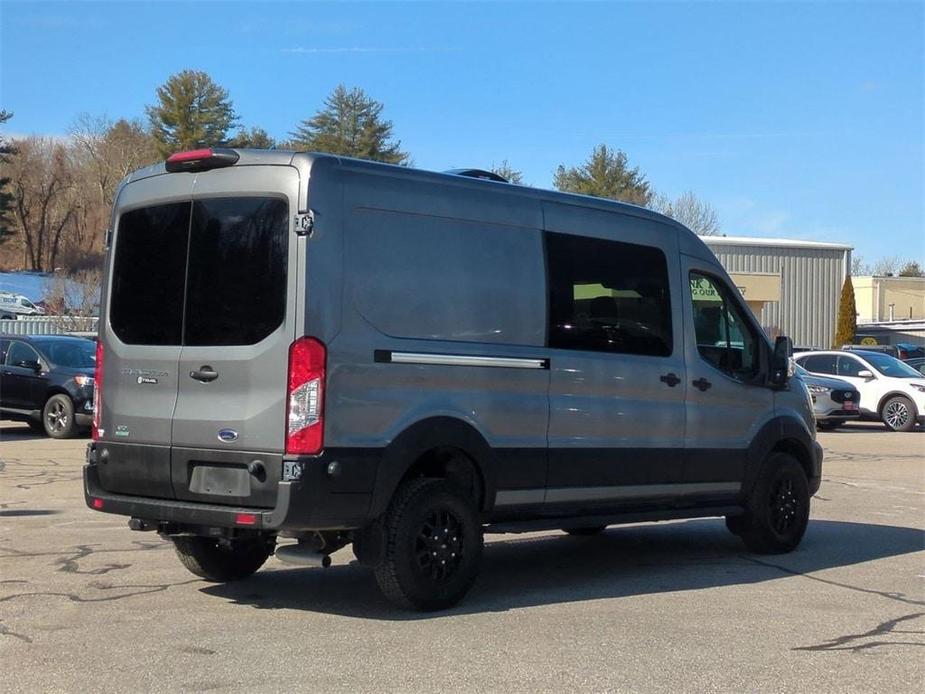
306, 504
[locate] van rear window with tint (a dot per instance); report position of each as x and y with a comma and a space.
236, 286
147, 275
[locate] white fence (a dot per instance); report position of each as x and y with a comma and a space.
49, 325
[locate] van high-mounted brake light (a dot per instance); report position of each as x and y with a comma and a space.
201, 159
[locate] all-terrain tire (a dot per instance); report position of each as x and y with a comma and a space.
219, 561
777, 511
58, 417
898, 414
433, 545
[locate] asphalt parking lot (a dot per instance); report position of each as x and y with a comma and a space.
86, 604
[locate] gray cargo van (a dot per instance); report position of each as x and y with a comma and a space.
298, 352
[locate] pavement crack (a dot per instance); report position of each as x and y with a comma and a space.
135, 590
849, 642
5, 631
898, 597
71, 564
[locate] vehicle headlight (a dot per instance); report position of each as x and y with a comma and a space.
818, 390
919, 388
84, 380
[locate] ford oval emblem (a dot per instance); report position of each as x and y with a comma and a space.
227, 435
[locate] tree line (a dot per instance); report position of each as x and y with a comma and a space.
56, 193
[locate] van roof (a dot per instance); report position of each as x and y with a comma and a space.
304, 160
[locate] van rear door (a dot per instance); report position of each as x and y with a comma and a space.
240, 318
141, 335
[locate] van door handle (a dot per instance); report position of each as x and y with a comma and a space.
205, 374
671, 379
702, 383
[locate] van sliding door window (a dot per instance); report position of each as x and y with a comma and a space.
608, 296
724, 338
147, 275
236, 284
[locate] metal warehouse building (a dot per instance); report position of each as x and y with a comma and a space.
792, 286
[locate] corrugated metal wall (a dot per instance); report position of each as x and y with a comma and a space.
811, 282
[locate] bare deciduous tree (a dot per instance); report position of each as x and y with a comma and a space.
74, 298
888, 265
859, 266
697, 215
44, 200
107, 151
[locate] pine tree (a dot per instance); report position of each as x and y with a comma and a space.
350, 124
255, 138
6, 198
606, 174
847, 316
192, 111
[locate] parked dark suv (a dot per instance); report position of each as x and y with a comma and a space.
47, 381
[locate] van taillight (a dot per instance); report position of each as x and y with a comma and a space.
97, 391
305, 411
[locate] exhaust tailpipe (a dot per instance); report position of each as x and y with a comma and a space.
302, 555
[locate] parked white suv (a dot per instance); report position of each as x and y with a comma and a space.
891, 390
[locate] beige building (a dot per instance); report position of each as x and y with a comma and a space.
889, 298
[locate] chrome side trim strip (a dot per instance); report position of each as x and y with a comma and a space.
464, 360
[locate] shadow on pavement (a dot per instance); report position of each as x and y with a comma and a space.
872, 428
557, 568
13, 431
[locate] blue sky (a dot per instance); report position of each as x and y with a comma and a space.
802, 120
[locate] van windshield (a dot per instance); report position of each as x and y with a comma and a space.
208, 272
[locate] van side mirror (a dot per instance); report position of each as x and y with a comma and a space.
781, 363
865, 373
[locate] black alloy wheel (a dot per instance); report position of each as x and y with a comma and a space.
58, 417
433, 545
777, 511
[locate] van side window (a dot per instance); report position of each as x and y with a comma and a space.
724, 338
608, 296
